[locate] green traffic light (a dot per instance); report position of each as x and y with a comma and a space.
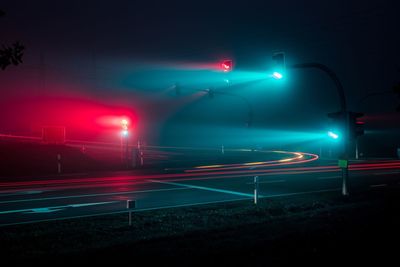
277, 75
333, 135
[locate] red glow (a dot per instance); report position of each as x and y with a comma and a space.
82, 118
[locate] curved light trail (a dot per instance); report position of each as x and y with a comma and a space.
69, 197
273, 167
295, 158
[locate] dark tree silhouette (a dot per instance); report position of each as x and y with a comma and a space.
10, 54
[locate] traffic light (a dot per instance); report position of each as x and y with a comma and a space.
279, 65
337, 125
333, 135
227, 65
210, 92
356, 127
124, 127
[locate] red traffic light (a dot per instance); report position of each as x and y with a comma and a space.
124, 124
227, 65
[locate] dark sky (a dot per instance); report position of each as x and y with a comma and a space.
127, 53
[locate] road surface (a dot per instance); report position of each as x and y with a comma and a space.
80, 195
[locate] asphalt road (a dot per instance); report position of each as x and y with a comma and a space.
70, 196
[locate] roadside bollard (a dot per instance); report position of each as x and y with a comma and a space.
130, 205
255, 189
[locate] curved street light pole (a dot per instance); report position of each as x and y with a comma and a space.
332, 75
343, 109
374, 94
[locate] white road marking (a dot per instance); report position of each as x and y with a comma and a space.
43, 210
55, 208
172, 206
270, 182
92, 195
378, 185
205, 188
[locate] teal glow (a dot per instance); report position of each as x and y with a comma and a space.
158, 78
211, 134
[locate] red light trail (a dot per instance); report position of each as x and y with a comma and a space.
240, 170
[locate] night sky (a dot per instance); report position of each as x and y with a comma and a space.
121, 58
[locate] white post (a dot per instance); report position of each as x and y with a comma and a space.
345, 181
130, 204
255, 189
58, 163
222, 149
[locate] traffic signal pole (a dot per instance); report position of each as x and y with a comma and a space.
343, 109
332, 75
345, 170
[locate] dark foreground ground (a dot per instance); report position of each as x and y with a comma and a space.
323, 229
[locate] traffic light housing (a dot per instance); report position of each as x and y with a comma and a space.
337, 125
210, 92
227, 65
356, 127
279, 67
124, 127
